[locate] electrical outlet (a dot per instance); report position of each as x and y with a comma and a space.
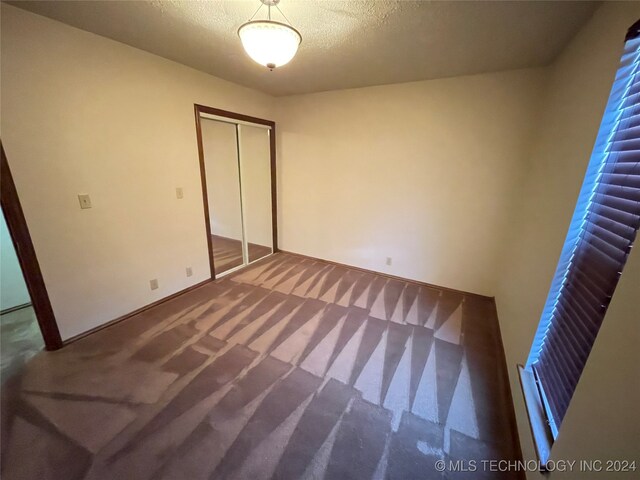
189, 271
85, 201
179, 193
389, 260
154, 284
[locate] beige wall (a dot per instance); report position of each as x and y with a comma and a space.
84, 114
602, 420
421, 172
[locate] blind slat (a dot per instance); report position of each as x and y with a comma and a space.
619, 191
620, 229
548, 383
621, 244
550, 361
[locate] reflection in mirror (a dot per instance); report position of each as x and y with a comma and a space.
255, 169
223, 190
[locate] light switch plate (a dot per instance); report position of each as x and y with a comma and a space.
154, 284
85, 201
179, 193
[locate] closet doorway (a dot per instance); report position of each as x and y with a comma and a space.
237, 167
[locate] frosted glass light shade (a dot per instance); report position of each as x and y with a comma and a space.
269, 43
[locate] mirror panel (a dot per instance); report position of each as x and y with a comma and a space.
255, 171
220, 148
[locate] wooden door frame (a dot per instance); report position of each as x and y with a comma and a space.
17, 226
199, 109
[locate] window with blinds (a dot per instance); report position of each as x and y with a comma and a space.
601, 233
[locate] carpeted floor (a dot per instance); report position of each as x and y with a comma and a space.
288, 369
227, 253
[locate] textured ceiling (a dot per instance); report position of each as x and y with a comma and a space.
345, 43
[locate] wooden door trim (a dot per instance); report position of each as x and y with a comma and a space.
17, 225
199, 109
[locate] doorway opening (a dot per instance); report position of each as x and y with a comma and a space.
20, 335
27, 322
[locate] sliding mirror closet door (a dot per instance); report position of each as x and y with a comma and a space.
255, 176
222, 176
237, 165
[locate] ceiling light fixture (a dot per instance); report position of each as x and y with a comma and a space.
268, 42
